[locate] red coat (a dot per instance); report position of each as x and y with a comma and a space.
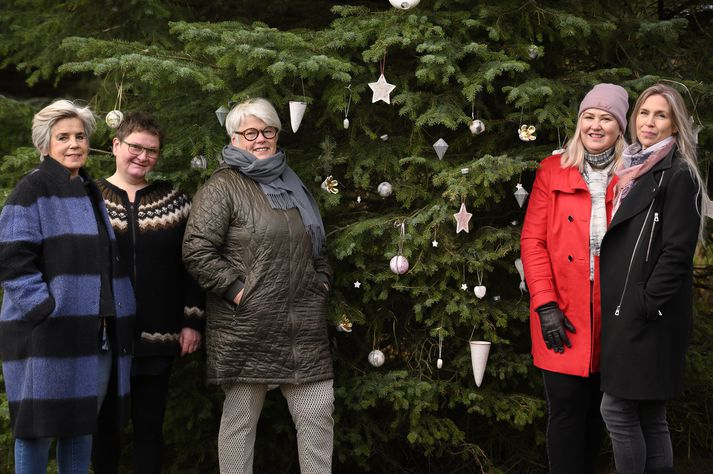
555, 254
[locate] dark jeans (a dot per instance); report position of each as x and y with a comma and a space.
148, 406
574, 424
639, 434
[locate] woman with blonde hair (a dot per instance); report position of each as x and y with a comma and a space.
647, 280
569, 209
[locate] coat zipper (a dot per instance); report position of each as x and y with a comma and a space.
651, 237
636, 245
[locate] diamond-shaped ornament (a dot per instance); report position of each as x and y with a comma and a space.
440, 146
520, 194
221, 112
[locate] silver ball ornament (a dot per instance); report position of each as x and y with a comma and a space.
114, 118
198, 162
385, 189
377, 358
404, 4
476, 127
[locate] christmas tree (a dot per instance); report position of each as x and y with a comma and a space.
456, 65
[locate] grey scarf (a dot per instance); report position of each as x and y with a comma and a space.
282, 187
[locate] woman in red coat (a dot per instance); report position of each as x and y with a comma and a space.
569, 209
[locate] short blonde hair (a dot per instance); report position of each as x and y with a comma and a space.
257, 107
46, 118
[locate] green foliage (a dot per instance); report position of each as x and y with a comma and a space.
506, 63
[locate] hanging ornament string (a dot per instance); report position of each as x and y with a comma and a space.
119, 93
439, 362
401, 236
382, 64
694, 113
346, 108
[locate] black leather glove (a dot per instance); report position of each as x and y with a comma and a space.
554, 325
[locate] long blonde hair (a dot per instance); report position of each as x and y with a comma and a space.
685, 138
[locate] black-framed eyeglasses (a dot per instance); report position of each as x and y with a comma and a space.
251, 134
135, 149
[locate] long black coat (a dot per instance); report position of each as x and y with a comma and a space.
644, 346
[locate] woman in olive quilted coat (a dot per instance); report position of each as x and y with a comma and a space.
256, 243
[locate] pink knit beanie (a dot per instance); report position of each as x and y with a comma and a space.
608, 97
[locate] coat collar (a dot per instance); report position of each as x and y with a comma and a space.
643, 192
59, 173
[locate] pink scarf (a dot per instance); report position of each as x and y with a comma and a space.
645, 159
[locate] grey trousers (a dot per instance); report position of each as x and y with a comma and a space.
639, 434
311, 406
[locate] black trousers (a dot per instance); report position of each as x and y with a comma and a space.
574, 423
148, 406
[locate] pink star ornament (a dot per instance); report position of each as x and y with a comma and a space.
462, 219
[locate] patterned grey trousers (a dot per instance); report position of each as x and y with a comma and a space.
311, 406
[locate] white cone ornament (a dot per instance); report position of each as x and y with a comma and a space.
479, 291
114, 118
476, 127
440, 146
479, 351
439, 363
385, 189
399, 264
297, 111
521, 271
520, 194
346, 123
377, 358
404, 4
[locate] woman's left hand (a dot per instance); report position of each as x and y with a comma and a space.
190, 341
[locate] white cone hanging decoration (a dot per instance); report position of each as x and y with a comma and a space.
399, 264
385, 189
346, 123
476, 127
520, 194
198, 162
404, 4
521, 271
221, 112
377, 358
297, 111
479, 351
440, 146
479, 291
114, 118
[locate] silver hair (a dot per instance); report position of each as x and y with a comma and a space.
46, 118
257, 107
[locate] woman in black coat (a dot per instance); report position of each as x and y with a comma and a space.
647, 280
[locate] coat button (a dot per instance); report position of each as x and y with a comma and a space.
570, 218
569, 257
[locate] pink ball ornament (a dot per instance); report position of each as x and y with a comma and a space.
399, 264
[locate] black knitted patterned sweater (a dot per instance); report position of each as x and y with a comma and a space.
149, 232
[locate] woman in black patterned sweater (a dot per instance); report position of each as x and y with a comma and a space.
149, 220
